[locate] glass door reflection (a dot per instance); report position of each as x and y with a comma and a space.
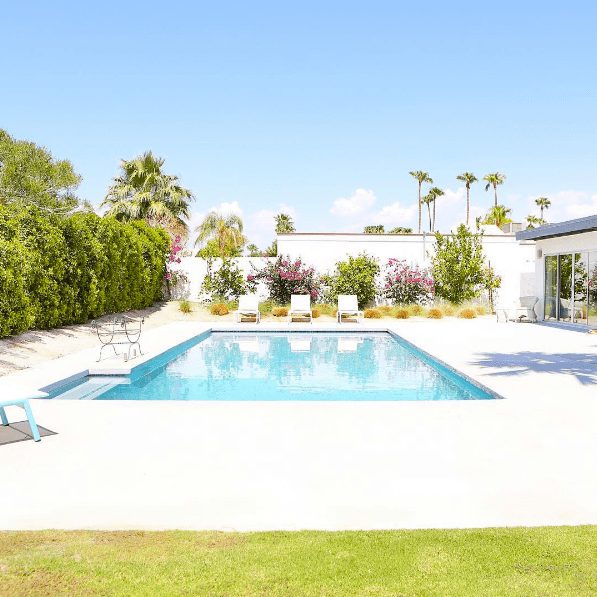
565, 298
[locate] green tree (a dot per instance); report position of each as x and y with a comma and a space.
498, 215
29, 175
142, 191
468, 178
421, 178
376, 229
543, 203
254, 250
435, 193
355, 276
533, 221
494, 180
458, 265
227, 282
401, 230
224, 232
284, 224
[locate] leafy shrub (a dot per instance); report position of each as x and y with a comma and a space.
227, 281
315, 313
406, 284
434, 314
373, 314
73, 268
355, 276
286, 277
417, 309
402, 314
184, 306
457, 265
280, 312
467, 313
219, 309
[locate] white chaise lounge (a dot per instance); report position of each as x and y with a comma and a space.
300, 306
248, 306
348, 305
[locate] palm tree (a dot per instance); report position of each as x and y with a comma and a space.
421, 177
468, 178
284, 223
225, 229
543, 203
428, 200
533, 221
143, 192
493, 180
435, 193
498, 215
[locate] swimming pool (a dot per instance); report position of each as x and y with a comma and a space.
275, 366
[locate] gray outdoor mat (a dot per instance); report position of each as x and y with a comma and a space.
20, 432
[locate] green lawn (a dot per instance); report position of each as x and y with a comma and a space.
548, 561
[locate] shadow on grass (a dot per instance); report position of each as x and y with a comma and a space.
583, 366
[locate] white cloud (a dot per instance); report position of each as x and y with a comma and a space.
264, 219
228, 208
394, 215
357, 204
565, 205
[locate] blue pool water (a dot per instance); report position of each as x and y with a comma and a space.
281, 366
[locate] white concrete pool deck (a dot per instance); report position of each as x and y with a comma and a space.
530, 459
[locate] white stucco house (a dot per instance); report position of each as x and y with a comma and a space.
566, 271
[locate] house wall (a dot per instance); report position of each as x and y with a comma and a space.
586, 241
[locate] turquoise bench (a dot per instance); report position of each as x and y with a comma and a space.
24, 403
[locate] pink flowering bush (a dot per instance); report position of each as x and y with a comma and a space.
405, 284
286, 277
173, 277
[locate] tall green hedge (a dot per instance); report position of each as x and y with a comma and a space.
60, 270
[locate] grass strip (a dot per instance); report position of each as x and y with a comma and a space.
548, 561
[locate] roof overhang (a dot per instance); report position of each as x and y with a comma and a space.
578, 226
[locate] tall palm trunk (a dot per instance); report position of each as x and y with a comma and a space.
433, 226
420, 183
542, 212
468, 203
495, 191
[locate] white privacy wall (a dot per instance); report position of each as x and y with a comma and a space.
513, 260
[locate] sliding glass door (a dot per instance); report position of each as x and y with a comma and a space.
592, 289
568, 290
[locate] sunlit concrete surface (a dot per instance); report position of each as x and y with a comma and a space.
527, 459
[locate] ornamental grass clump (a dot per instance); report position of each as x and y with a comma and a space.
406, 284
219, 309
402, 314
467, 313
434, 314
373, 314
286, 277
416, 309
447, 310
184, 307
385, 309
280, 311
315, 313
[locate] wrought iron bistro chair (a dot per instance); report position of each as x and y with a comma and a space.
123, 330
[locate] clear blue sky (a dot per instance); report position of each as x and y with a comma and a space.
301, 104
